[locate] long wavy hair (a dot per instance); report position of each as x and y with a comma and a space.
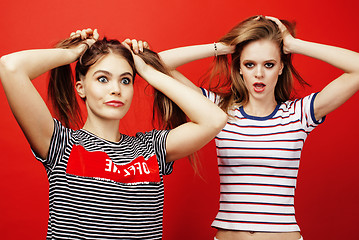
227, 69
62, 94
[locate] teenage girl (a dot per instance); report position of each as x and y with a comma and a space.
103, 184
259, 149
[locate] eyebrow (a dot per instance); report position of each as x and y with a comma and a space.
269, 60
110, 74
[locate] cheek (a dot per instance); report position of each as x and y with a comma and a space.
129, 94
93, 93
247, 76
273, 75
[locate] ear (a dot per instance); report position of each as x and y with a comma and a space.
240, 71
281, 68
79, 85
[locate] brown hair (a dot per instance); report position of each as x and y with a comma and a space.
61, 90
62, 93
228, 70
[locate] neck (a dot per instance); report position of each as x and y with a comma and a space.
260, 108
106, 129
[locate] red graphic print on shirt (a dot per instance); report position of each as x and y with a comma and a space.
98, 164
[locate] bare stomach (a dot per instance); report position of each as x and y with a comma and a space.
243, 235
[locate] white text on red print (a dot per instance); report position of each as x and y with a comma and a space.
131, 170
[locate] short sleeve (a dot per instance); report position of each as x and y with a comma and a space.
159, 138
58, 143
307, 113
213, 97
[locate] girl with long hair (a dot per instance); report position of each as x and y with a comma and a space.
259, 149
103, 184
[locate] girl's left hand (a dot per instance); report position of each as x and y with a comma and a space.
288, 39
136, 46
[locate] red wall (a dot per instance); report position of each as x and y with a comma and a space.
327, 195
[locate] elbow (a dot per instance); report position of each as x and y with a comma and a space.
220, 121
8, 64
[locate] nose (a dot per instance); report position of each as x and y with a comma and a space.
259, 73
115, 88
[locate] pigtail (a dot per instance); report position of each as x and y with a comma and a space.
61, 91
165, 112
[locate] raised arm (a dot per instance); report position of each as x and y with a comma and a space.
206, 118
337, 91
29, 109
176, 57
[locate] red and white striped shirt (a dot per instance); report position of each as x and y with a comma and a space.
258, 161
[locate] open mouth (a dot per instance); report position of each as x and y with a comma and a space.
259, 87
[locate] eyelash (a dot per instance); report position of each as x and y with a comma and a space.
251, 65
102, 77
270, 65
125, 81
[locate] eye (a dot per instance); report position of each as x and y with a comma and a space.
126, 81
249, 65
102, 79
269, 65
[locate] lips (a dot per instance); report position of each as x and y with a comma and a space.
259, 87
114, 103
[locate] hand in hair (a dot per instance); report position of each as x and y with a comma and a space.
288, 39
90, 36
224, 49
79, 41
136, 46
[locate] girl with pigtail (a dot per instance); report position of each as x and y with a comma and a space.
259, 149
103, 184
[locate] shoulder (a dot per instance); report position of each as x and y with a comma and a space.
213, 96
290, 104
149, 136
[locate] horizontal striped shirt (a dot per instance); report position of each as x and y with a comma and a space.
258, 161
105, 190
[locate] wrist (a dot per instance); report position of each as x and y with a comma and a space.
293, 45
76, 51
223, 49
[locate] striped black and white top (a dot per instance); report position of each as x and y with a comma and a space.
258, 161
105, 190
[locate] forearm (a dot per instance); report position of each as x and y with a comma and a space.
344, 59
176, 57
198, 108
33, 63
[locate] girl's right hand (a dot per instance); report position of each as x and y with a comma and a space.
224, 49
90, 36
86, 38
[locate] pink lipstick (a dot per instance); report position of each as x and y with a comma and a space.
259, 87
114, 103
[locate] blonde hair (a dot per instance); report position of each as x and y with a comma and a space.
228, 70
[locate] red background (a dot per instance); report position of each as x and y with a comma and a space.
327, 193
